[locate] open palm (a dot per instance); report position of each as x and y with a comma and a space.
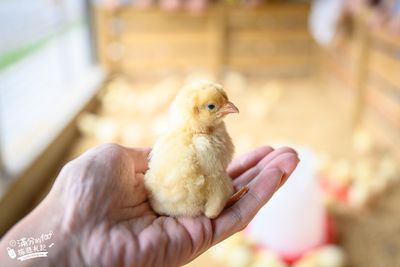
107, 209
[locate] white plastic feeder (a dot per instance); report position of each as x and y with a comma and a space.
294, 220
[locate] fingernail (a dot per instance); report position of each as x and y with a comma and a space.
280, 175
289, 168
285, 175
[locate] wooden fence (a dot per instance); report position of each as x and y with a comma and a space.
368, 63
272, 39
382, 87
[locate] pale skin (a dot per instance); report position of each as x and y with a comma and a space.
99, 213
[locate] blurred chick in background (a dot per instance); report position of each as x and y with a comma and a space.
187, 169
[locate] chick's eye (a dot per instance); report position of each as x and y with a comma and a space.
210, 106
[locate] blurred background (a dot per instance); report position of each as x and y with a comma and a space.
322, 76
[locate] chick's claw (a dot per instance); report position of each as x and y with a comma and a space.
237, 196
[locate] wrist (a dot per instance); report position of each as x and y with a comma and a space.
66, 240
40, 239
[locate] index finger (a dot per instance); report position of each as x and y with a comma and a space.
236, 217
244, 162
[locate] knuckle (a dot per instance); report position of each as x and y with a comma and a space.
111, 151
68, 166
287, 149
255, 197
93, 157
110, 148
237, 214
267, 148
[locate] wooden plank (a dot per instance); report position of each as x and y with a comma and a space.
342, 55
272, 9
346, 50
249, 61
261, 42
383, 36
385, 105
382, 84
175, 38
270, 71
279, 16
103, 35
272, 35
384, 133
339, 72
156, 12
270, 48
159, 20
170, 64
361, 52
168, 52
218, 39
224, 35
267, 22
385, 66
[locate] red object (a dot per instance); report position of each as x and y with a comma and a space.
330, 238
338, 191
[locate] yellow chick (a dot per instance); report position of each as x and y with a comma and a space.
187, 169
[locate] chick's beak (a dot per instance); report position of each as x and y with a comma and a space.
228, 108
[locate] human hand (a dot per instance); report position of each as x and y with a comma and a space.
104, 216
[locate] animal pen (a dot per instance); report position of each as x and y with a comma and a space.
341, 102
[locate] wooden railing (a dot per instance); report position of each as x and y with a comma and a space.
382, 98
368, 63
272, 39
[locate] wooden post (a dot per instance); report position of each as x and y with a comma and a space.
3, 171
218, 32
108, 31
362, 42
